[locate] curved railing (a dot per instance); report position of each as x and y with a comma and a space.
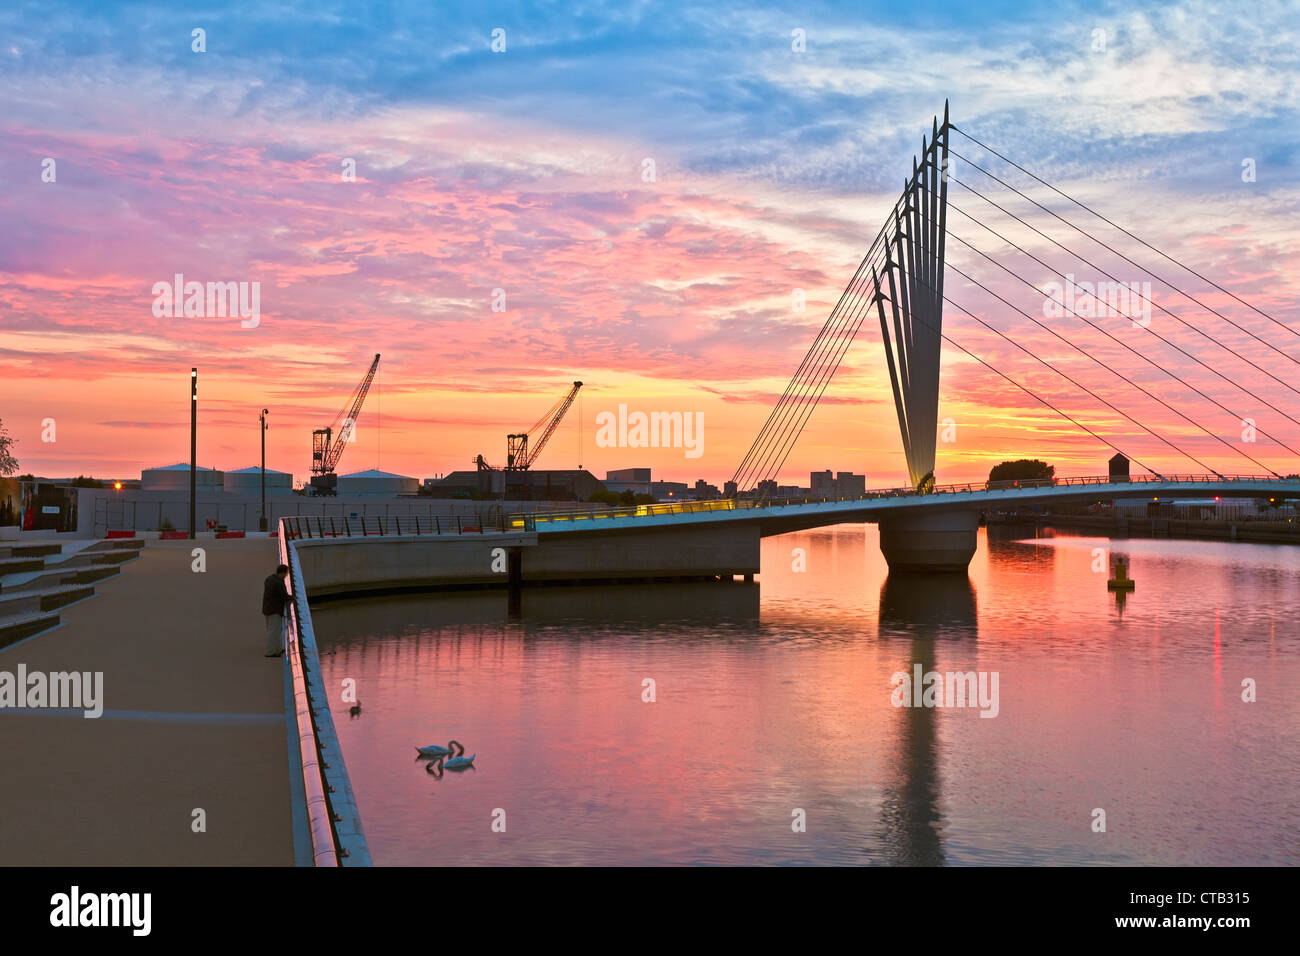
335, 825
312, 526
530, 521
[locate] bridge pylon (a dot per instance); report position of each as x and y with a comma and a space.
909, 302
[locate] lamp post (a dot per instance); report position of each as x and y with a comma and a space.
194, 444
261, 522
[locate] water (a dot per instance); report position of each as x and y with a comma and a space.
776, 697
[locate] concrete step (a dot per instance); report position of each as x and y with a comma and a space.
43, 599
29, 550
116, 544
83, 559
57, 576
19, 565
21, 625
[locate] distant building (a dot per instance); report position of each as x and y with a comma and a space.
635, 480
375, 482
628, 474
845, 484
849, 485
767, 488
531, 485
248, 481
729, 489
1119, 468
177, 478
670, 490
705, 491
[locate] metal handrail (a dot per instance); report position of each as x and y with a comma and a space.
325, 780
368, 526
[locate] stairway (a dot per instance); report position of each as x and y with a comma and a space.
38, 578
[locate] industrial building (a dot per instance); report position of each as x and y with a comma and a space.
177, 478
248, 481
635, 480
531, 485
374, 482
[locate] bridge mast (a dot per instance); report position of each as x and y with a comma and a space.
912, 285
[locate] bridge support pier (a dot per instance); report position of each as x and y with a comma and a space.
932, 542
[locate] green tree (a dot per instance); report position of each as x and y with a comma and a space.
1023, 469
8, 463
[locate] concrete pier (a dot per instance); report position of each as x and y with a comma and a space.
193, 720
938, 541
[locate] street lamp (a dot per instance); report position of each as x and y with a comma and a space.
194, 442
261, 521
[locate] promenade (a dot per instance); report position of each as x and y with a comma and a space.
194, 719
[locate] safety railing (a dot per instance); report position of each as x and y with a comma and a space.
315, 526
334, 823
530, 522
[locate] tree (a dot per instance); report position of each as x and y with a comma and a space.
1023, 469
8, 463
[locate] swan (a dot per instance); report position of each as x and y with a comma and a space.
434, 767
435, 750
461, 762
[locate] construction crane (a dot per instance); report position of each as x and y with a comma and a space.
326, 449
519, 455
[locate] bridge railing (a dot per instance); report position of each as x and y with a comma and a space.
328, 526
530, 522
337, 838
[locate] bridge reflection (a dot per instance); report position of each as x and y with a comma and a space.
923, 609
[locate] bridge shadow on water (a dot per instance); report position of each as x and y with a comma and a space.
921, 609
733, 605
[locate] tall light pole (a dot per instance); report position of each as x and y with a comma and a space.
194, 443
261, 522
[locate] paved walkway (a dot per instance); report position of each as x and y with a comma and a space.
193, 718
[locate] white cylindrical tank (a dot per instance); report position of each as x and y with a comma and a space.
374, 482
248, 481
177, 478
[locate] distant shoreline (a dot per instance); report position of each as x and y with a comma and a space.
1260, 532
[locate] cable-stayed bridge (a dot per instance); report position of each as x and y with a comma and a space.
1229, 383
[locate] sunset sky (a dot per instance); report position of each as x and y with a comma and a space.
523, 170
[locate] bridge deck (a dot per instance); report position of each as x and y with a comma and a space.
777, 516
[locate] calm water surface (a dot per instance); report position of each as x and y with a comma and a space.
776, 696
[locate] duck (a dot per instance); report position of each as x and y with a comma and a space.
435, 750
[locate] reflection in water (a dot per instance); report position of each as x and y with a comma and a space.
730, 604
774, 697
927, 607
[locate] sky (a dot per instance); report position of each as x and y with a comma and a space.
386, 177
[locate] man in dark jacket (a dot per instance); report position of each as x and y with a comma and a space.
274, 597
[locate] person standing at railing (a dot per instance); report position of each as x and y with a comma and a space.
275, 595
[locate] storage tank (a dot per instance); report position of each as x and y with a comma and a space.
248, 481
177, 478
375, 482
